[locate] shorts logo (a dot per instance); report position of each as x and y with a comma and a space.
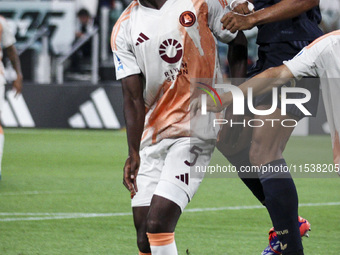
183, 178
171, 51
187, 19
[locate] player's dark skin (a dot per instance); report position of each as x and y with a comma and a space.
15, 61
242, 19
162, 215
267, 142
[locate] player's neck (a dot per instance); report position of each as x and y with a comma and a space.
154, 4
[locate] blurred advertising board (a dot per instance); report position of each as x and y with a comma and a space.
27, 17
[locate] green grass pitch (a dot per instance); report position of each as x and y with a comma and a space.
61, 193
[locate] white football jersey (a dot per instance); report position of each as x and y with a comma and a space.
7, 39
170, 47
322, 59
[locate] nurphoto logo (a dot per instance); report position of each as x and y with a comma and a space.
239, 102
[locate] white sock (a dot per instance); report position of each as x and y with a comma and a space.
169, 249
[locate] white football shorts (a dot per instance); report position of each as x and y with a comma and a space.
167, 169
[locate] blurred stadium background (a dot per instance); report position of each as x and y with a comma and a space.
61, 191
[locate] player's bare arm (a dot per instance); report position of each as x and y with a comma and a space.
134, 112
238, 55
15, 61
286, 9
260, 84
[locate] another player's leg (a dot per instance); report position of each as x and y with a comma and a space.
2, 141
274, 246
281, 199
234, 143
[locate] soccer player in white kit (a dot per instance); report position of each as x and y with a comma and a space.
319, 59
7, 42
159, 46
322, 59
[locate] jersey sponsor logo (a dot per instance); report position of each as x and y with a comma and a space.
173, 73
141, 38
183, 178
187, 19
171, 51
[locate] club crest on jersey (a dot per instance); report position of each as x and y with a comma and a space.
171, 51
187, 19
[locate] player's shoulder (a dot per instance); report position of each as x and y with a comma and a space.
123, 23
321, 45
325, 41
126, 14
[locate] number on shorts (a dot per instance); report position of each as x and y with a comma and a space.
194, 150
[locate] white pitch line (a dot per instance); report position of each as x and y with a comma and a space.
34, 192
67, 216
61, 216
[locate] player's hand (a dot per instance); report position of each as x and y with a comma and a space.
17, 84
234, 22
130, 173
212, 107
196, 104
242, 9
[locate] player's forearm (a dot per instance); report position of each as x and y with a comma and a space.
262, 83
267, 80
14, 58
285, 9
238, 57
134, 112
134, 118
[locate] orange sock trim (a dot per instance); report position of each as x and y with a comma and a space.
141, 253
161, 239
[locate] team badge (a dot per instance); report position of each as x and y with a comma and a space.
187, 19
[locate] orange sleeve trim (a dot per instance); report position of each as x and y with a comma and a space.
161, 239
114, 35
125, 15
337, 32
141, 253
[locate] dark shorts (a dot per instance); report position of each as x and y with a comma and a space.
272, 55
